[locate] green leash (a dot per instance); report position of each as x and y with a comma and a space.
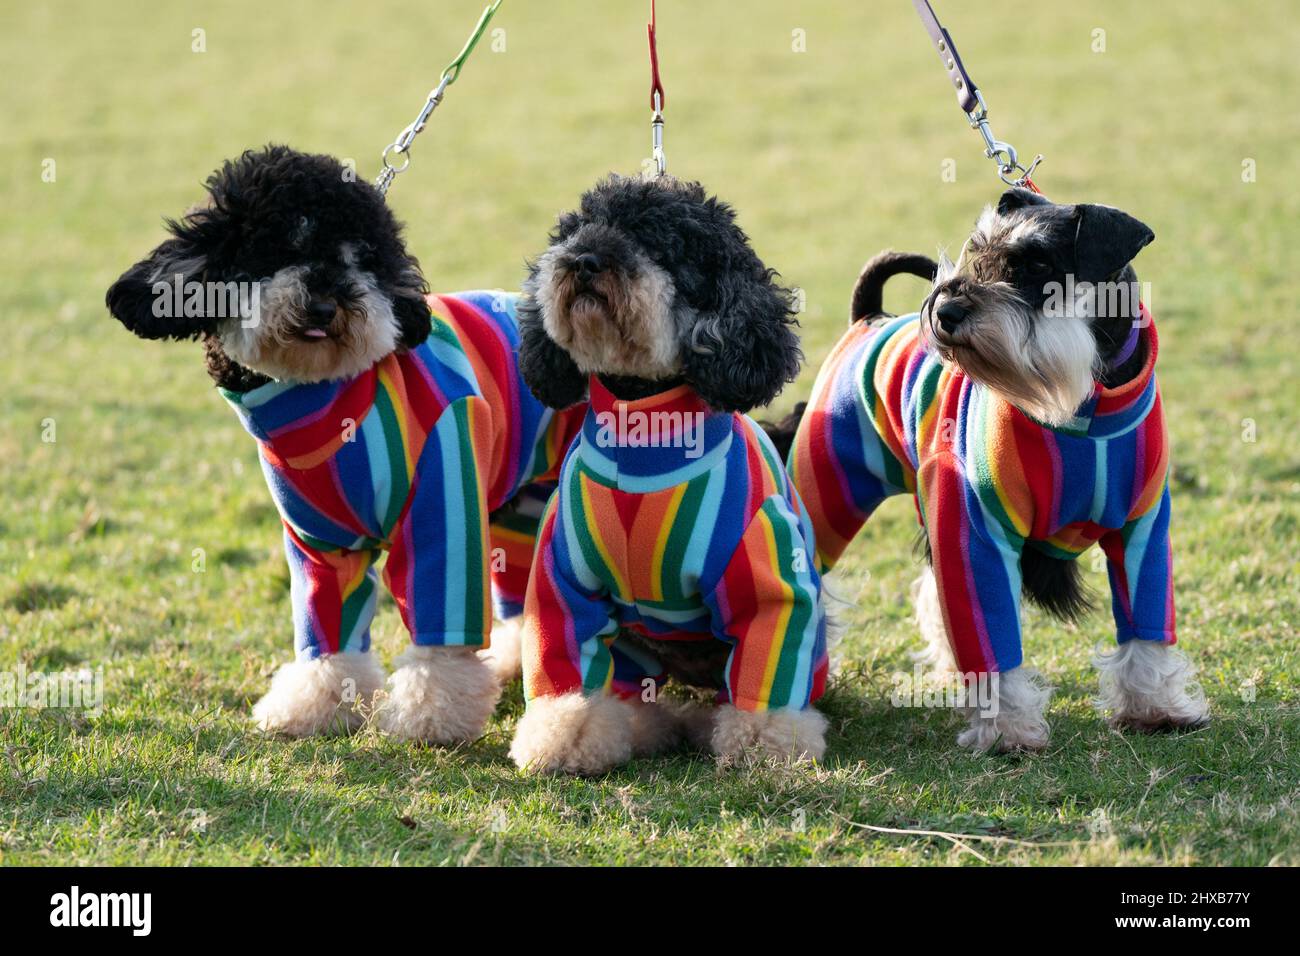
402, 145
452, 71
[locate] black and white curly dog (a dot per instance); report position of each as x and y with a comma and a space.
650, 283
387, 420
651, 563
343, 290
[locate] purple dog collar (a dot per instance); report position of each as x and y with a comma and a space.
1130, 346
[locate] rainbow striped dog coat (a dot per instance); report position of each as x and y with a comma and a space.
680, 524
412, 457
886, 417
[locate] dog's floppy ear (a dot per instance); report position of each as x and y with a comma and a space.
742, 354
1106, 240
1018, 198
142, 300
547, 369
410, 305
414, 321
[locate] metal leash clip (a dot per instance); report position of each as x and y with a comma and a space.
657, 98
657, 137
1002, 153
402, 145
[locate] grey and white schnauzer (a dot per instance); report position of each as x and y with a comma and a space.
1020, 407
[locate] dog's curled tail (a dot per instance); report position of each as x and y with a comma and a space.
869, 293
868, 303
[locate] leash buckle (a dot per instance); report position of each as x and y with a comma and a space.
1002, 153
658, 99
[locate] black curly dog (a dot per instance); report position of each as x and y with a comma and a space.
650, 290
317, 326
664, 288
300, 217
714, 309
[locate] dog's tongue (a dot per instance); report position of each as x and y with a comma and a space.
316, 333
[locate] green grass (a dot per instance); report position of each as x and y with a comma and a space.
829, 155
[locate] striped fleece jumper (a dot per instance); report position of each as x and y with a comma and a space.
680, 524
412, 457
887, 417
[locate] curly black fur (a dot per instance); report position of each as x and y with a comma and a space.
735, 323
630, 388
225, 371
546, 368
267, 210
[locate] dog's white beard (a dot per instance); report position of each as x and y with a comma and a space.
1064, 353
270, 344
640, 341
1045, 365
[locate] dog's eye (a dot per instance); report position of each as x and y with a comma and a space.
1038, 267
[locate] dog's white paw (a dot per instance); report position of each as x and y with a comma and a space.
325, 695
439, 695
1016, 720
504, 653
580, 734
1149, 686
785, 733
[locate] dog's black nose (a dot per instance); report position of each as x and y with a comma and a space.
951, 314
321, 313
588, 265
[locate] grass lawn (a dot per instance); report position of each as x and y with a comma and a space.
830, 155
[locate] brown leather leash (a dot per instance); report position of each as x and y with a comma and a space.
972, 102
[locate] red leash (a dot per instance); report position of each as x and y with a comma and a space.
657, 100
656, 84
